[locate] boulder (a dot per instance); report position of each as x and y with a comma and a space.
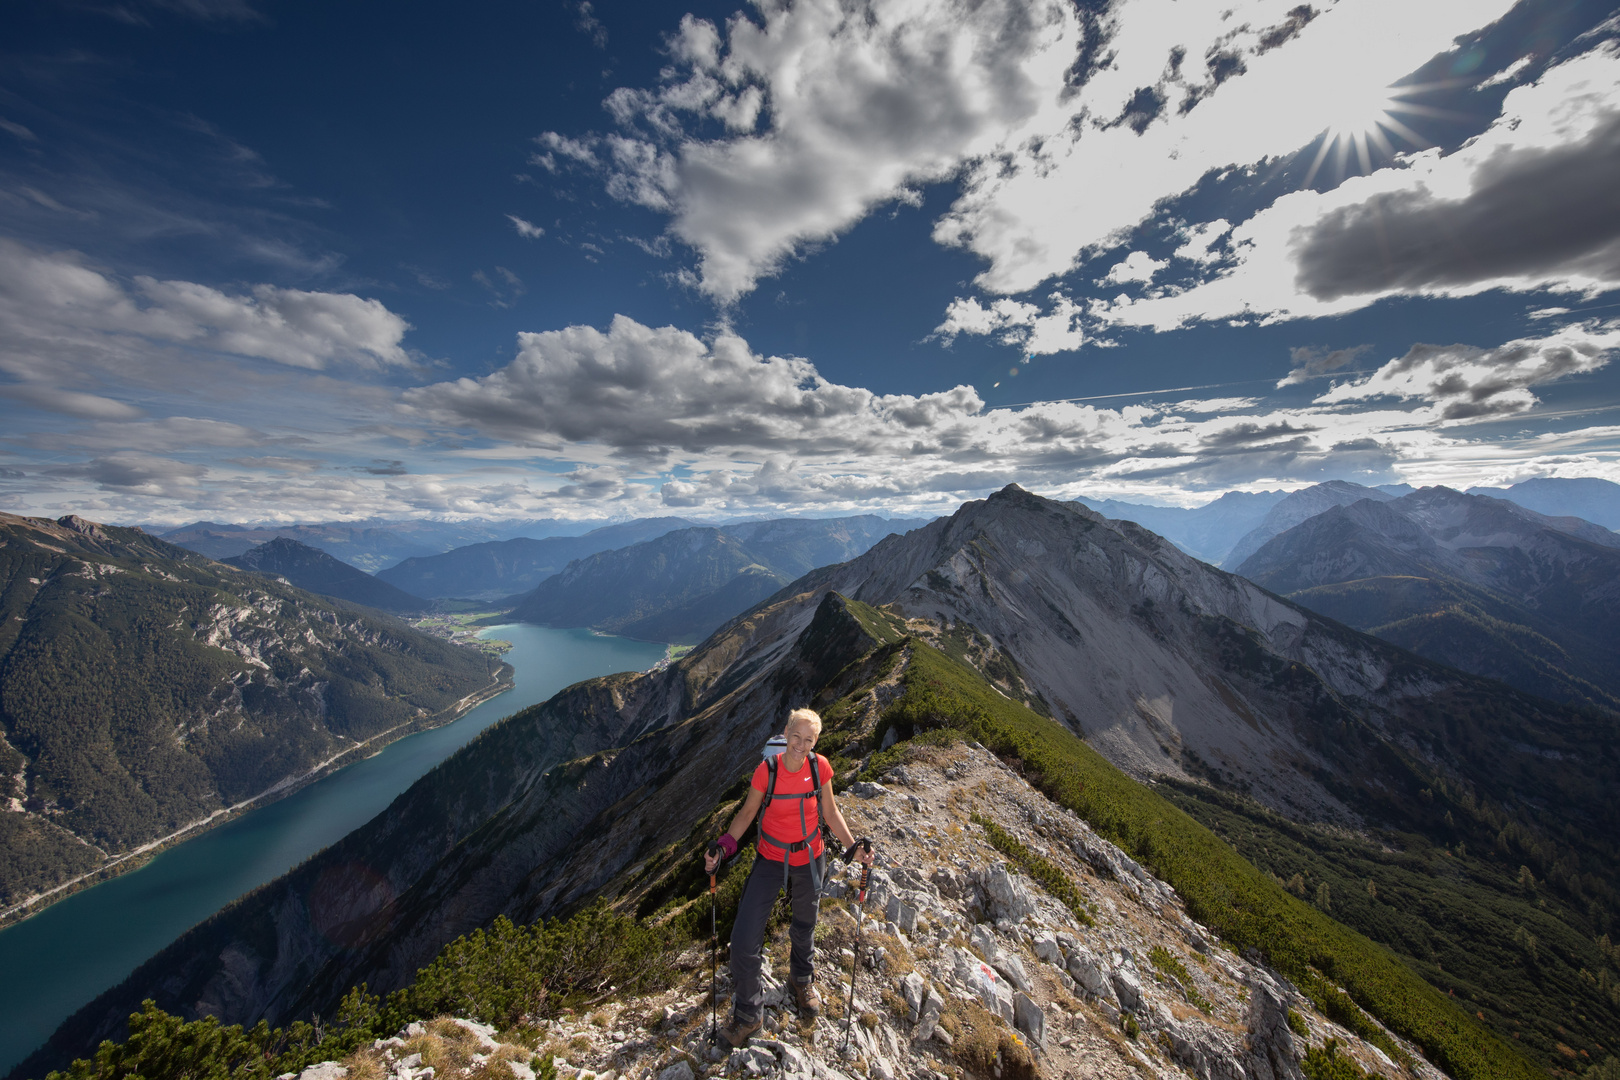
1091, 973
1009, 898
326, 1070
1046, 948
1028, 1018
911, 988
1127, 987
951, 885
1274, 1053
680, 1070
901, 914
928, 1020
1013, 968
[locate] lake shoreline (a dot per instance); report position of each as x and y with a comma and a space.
87, 941
503, 680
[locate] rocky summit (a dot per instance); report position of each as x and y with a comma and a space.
966, 966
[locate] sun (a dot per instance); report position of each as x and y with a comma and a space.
1358, 120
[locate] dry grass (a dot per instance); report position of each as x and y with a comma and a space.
985, 1046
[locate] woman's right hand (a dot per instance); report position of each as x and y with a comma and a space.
711, 860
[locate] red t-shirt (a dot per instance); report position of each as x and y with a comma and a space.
781, 818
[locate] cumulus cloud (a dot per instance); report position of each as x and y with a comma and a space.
136, 473
712, 423
858, 102
1228, 85
1529, 204
1138, 266
1038, 333
1066, 129
1468, 383
647, 393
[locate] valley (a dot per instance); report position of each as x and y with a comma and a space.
147, 692
90, 941
1258, 718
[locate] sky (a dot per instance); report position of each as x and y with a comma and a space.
273, 261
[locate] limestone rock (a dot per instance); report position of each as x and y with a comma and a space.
1091, 973
1273, 1052
1127, 987
1029, 1018
911, 988
681, 1070
928, 1021
1008, 896
326, 1070
1047, 949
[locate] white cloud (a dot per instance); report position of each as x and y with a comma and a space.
526, 229
1467, 383
1032, 214
1528, 204
863, 101
1201, 240
830, 110
714, 424
1137, 266
648, 393
1016, 323
70, 402
50, 301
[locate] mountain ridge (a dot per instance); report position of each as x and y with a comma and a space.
683, 585
1475, 582
315, 571
1014, 584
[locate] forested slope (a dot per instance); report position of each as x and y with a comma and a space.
144, 687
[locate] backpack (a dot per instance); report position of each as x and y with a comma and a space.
817, 864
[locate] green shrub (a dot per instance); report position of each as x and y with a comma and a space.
1171, 967
1325, 1063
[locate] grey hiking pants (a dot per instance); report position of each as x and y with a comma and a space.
748, 933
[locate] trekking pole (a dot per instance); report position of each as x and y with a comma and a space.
860, 916
714, 953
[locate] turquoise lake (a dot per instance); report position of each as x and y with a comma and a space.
57, 961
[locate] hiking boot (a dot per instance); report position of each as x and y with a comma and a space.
737, 1030
808, 1001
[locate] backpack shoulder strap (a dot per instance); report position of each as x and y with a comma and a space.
815, 778
770, 787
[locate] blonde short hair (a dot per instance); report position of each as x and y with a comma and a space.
809, 716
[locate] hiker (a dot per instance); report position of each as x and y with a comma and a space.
790, 827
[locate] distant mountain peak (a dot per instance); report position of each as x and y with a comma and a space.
313, 569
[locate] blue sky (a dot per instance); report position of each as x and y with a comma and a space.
265, 261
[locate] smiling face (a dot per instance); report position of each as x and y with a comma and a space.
801, 739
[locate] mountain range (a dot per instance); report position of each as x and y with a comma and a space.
314, 570
683, 585
1589, 497
505, 568
369, 545
1217, 532
145, 688
1479, 583
1337, 763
